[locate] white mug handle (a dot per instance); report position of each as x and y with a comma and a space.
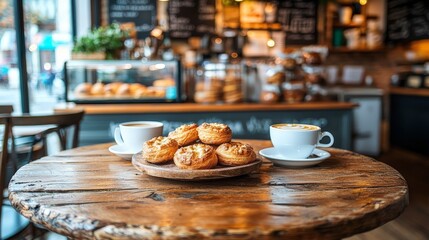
118, 137
325, 134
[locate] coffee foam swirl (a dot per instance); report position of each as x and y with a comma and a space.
289, 126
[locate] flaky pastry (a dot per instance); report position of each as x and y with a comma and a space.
123, 90
235, 154
159, 149
168, 82
136, 87
196, 156
214, 133
83, 89
97, 89
111, 88
185, 134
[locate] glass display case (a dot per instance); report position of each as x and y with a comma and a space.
91, 81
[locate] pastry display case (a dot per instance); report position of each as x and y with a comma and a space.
92, 81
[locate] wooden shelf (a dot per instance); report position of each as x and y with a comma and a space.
409, 91
195, 107
411, 62
356, 50
351, 25
255, 26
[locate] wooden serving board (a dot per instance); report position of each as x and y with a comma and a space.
171, 171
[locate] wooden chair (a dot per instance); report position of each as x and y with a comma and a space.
12, 224
6, 109
60, 124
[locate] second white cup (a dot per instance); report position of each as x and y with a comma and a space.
132, 135
297, 141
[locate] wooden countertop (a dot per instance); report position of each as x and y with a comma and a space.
409, 91
195, 107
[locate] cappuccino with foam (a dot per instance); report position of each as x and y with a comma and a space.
297, 141
294, 126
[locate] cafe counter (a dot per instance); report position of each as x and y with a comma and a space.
247, 120
409, 116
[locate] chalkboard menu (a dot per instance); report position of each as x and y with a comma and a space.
191, 18
407, 20
141, 12
419, 19
299, 21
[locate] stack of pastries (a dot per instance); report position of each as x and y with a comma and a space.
198, 147
123, 90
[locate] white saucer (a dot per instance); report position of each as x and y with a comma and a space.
277, 158
121, 151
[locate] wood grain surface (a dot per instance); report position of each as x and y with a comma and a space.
196, 107
88, 193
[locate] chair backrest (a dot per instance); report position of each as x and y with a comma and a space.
6, 109
5, 131
61, 122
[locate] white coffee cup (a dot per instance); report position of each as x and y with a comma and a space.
132, 135
297, 141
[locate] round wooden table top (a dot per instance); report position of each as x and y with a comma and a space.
90, 193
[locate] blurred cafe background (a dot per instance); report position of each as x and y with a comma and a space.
105, 55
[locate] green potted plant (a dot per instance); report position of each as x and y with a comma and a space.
101, 43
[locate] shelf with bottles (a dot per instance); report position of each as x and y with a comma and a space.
254, 26
250, 15
343, 49
348, 25
351, 28
415, 62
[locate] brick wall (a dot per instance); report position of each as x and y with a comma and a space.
378, 64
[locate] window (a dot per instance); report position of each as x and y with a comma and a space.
9, 74
48, 43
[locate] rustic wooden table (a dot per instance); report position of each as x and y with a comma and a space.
90, 193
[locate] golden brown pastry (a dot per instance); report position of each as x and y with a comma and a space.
289, 63
196, 156
235, 154
108, 90
233, 97
111, 88
185, 134
269, 97
83, 89
97, 89
155, 92
214, 133
123, 90
141, 92
159, 149
135, 87
312, 58
206, 96
276, 78
168, 82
